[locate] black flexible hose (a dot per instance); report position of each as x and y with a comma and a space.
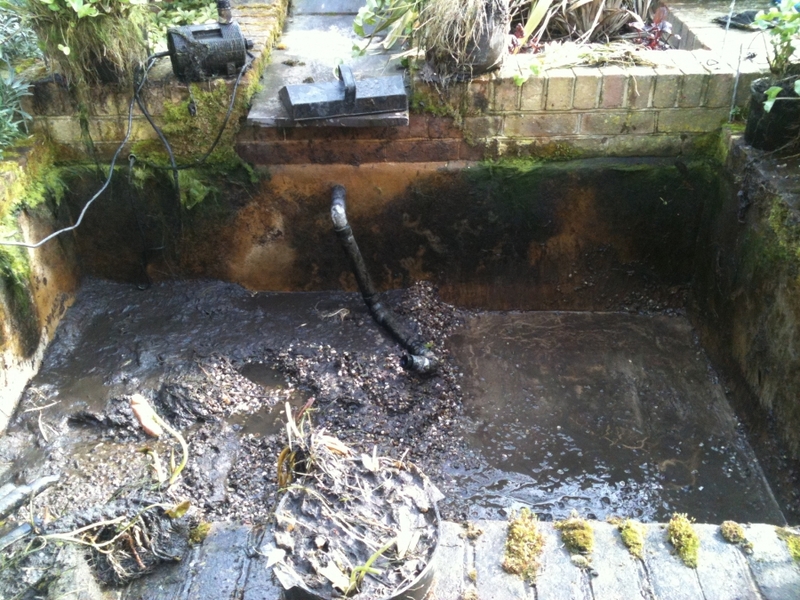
420, 358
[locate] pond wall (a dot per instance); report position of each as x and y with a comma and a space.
594, 234
746, 296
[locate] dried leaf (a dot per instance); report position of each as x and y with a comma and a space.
177, 511
332, 573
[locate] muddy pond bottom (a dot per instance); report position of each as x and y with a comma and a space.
603, 413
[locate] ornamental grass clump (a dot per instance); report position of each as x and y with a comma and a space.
88, 41
684, 538
524, 545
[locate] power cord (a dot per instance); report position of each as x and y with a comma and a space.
174, 167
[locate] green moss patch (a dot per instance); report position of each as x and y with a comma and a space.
792, 539
732, 532
632, 534
577, 534
199, 533
524, 545
684, 538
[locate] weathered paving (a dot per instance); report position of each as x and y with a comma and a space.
227, 566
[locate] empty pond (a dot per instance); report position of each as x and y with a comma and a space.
614, 410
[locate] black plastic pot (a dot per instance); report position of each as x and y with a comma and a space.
778, 128
416, 589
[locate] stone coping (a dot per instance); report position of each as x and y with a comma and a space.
229, 565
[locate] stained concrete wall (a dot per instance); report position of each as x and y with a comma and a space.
31, 309
581, 235
747, 283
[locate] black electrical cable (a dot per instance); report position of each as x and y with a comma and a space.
174, 166
200, 161
148, 65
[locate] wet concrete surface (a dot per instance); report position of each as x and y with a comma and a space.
604, 413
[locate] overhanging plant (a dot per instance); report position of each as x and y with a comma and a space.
773, 122
88, 41
783, 28
455, 35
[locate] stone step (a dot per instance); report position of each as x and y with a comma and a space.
228, 566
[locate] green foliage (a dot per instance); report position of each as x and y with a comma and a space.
164, 15
17, 39
396, 19
193, 190
783, 27
88, 41
772, 95
13, 120
583, 20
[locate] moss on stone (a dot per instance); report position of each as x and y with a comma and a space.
471, 531
792, 539
684, 538
577, 534
524, 545
632, 534
732, 532
784, 224
30, 179
199, 532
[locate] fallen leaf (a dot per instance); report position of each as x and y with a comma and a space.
177, 511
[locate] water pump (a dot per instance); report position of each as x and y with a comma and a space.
200, 52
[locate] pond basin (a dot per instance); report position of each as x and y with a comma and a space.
577, 373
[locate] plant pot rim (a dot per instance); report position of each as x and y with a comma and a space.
417, 588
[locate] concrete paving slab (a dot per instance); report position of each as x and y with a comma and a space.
670, 578
559, 578
777, 575
451, 559
722, 568
619, 575
168, 582
260, 583
220, 568
493, 582
311, 48
326, 7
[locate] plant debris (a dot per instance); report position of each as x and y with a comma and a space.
351, 524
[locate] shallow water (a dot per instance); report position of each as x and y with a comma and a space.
605, 413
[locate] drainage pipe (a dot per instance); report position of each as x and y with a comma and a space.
419, 357
18, 496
